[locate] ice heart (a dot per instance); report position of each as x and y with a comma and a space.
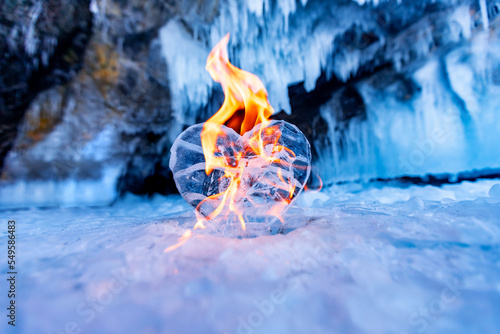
267, 184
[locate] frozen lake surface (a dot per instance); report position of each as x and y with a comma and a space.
377, 259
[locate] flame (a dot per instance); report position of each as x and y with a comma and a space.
245, 105
243, 91
186, 236
182, 240
319, 187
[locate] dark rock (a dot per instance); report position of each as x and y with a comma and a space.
351, 106
42, 45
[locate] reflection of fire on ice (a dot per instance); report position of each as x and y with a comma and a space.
239, 169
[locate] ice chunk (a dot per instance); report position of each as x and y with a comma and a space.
414, 204
495, 191
266, 183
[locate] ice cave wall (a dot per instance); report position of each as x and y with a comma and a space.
381, 88
429, 106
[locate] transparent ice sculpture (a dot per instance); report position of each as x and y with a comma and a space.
262, 185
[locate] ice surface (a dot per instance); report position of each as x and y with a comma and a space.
264, 184
353, 264
67, 192
187, 162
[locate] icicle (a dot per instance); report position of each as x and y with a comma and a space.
190, 84
484, 14
31, 41
94, 7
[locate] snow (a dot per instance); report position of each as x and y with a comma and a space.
362, 259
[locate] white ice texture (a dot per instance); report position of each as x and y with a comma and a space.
367, 260
264, 184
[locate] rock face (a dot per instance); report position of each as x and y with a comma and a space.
103, 129
95, 93
41, 45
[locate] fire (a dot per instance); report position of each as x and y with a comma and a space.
243, 91
320, 185
245, 106
182, 240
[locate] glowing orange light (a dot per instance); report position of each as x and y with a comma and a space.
243, 91
182, 240
245, 106
320, 186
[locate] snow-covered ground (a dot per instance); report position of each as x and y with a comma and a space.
355, 259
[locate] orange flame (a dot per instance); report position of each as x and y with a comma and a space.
186, 236
319, 187
242, 91
182, 240
245, 105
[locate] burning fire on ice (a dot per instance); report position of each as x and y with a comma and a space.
240, 170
